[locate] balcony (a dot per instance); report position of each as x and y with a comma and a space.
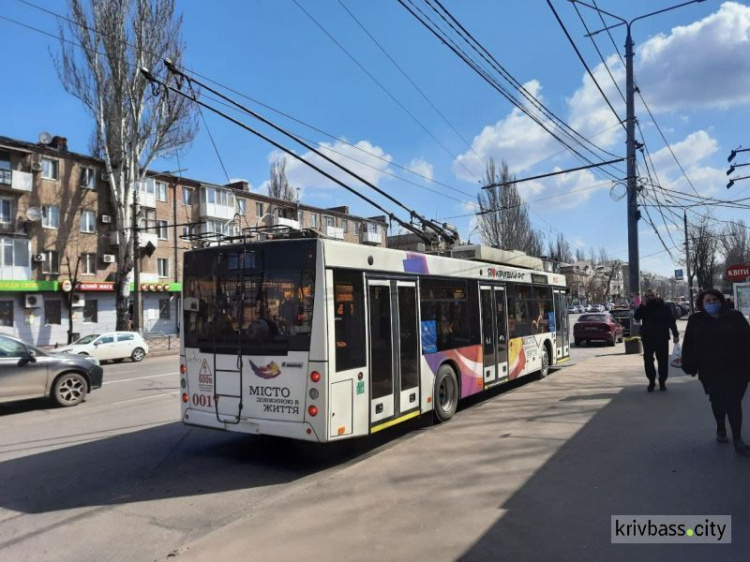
334, 232
217, 211
16, 180
370, 237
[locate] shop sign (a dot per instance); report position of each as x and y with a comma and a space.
66, 286
95, 287
737, 273
159, 287
28, 286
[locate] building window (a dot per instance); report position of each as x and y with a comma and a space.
91, 311
314, 220
51, 216
259, 209
164, 312
52, 312
355, 228
51, 263
186, 231
50, 169
162, 265
161, 230
88, 178
301, 217
6, 314
88, 264
241, 205
345, 226
88, 221
6, 173
161, 190
330, 221
6, 207
187, 195
210, 195
14, 252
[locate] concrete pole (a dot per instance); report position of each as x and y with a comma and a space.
136, 263
632, 188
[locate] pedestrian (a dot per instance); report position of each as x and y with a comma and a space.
657, 321
716, 342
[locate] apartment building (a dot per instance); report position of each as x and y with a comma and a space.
57, 235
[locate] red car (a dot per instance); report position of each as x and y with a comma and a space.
597, 327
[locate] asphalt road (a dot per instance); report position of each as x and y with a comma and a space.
120, 478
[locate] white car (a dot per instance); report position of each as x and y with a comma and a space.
112, 346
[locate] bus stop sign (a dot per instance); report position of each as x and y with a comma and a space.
737, 273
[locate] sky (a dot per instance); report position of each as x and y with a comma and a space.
381, 94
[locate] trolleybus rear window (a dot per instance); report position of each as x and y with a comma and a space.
250, 300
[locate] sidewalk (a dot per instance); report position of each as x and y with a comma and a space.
531, 474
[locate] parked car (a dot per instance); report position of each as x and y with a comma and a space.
27, 372
622, 316
597, 327
112, 346
574, 309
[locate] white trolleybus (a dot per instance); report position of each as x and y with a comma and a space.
322, 340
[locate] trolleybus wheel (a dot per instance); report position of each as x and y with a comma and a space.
544, 371
445, 396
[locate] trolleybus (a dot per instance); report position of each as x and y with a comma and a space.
321, 340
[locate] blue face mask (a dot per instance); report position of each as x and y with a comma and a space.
712, 308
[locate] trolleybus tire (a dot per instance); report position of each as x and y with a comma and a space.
445, 394
544, 371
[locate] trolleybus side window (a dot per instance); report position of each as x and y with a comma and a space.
349, 318
447, 315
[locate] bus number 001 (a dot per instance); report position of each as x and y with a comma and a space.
202, 400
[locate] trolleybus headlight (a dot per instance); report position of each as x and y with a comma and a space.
183, 368
185, 397
314, 393
313, 411
315, 376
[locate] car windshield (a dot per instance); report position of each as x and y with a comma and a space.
593, 318
86, 339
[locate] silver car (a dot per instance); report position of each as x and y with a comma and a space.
27, 372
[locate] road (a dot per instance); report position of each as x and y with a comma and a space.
120, 478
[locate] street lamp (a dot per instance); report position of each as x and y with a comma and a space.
632, 189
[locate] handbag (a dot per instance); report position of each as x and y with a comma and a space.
676, 359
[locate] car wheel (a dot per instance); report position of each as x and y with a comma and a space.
138, 354
69, 389
612, 341
578, 343
445, 395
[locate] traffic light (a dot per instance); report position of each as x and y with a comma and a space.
731, 170
732, 155
730, 184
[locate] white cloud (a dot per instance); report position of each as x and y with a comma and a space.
421, 167
690, 152
368, 161
704, 64
515, 139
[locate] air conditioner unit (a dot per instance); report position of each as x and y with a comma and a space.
33, 301
108, 258
36, 166
106, 219
78, 299
105, 176
38, 258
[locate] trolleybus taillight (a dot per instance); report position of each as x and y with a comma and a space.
183, 368
313, 411
185, 397
315, 376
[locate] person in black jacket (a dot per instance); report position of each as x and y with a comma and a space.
715, 348
656, 322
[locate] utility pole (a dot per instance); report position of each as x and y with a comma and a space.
687, 261
136, 263
634, 273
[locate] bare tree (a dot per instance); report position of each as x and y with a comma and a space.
504, 218
278, 186
703, 248
735, 243
580, 254
102, 49
559, 249
603, 256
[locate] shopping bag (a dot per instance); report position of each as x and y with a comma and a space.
676, 359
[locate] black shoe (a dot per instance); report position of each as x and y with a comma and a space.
742, 449
721, 436
662, 386
651, 386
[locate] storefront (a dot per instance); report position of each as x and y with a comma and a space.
37, 311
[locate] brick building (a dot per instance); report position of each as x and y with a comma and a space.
56, 216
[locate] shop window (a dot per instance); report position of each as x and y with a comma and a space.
52, 312
91, 311
6, 314
164, 310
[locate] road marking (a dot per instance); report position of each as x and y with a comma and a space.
140, 378
144, 398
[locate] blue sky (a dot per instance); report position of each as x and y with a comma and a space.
692, 67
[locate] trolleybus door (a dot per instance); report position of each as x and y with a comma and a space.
562, 325
394, 348
494, 333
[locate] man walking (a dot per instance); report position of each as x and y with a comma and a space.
656, 322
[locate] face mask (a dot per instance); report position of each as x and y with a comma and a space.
712, 308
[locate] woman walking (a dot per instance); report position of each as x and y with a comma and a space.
715, 348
